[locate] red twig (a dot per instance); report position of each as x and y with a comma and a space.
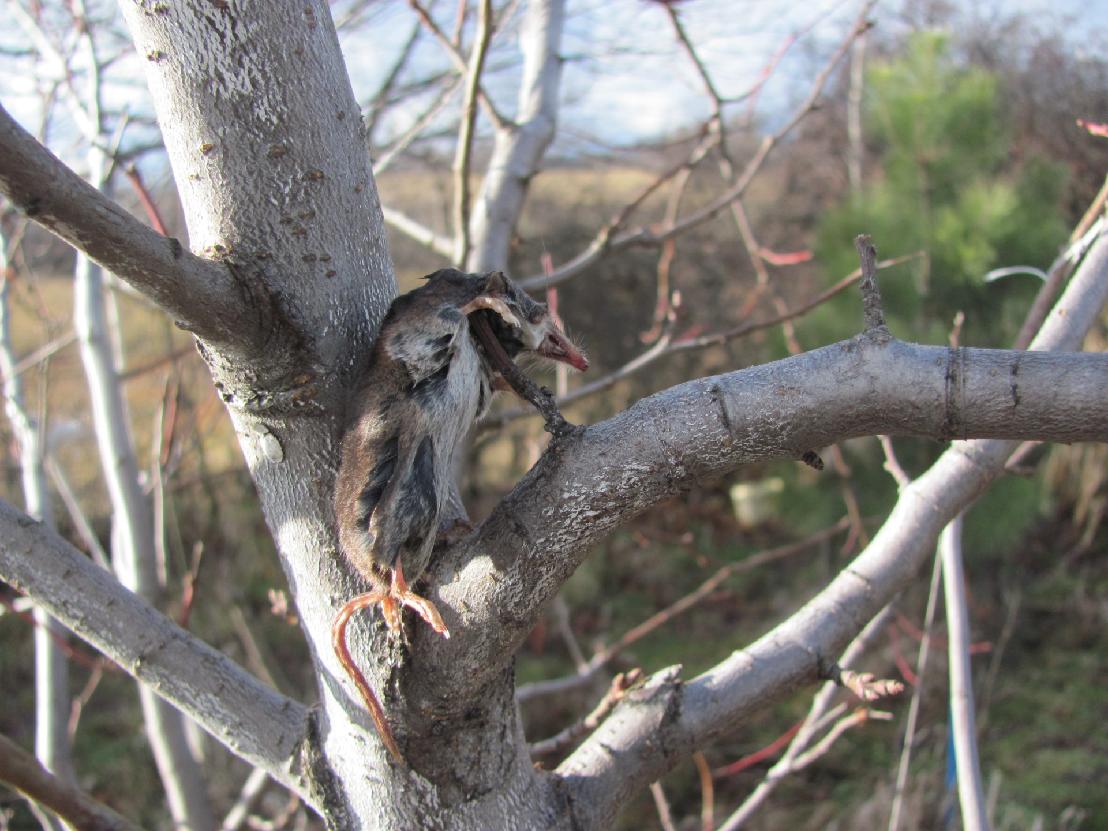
148, 205
87, 661
774, 747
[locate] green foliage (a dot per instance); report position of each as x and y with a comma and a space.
947, 188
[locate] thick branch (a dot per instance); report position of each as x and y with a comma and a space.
670, 718
201, 295
255, 722
599, 478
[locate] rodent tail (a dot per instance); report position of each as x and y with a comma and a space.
338, 642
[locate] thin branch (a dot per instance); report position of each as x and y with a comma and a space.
381, 97
256, 723
459, 61
22, 771
194, 291
660, 618
892, 464
438, 243
971, 794
661, 805
418, 126
871, 296
667, 345
561, 741
76, 513
908, 743
819, 715
660, 725
707, 793
820, 749
466, 132
649, 235
251, 790
41, 354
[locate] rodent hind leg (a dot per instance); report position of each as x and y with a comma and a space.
399, 592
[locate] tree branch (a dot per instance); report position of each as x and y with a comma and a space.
198, 293
466, 132
963, 724
651, 731
252, 720
648, 235
22, 771
439, 243
494, 585
518, 149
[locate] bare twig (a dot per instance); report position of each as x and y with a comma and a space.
661, 805
707, 792
252, 789
820, 715
41, 354
458, 59
855, 719
438, 243
892, 465
649, 235
392, 76
971, 795
565, 629
871, 295
668, 345
917, 699
403, 142
148, 204
616, 690
466, 132
605, 656
22, 771
76, 513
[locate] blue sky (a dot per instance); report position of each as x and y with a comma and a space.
625, 79
626, 82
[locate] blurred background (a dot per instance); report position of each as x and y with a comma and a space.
949, 132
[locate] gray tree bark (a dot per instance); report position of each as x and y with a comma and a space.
52, 747
266, 145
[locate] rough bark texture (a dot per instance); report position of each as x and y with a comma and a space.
133, 550
267, 147
255, 722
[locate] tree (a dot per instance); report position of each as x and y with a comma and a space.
943, 190
284, 296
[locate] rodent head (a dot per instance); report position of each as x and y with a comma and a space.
530, 326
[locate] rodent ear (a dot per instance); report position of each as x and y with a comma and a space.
496, 283
443, 274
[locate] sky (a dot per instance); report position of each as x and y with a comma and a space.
625, 80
